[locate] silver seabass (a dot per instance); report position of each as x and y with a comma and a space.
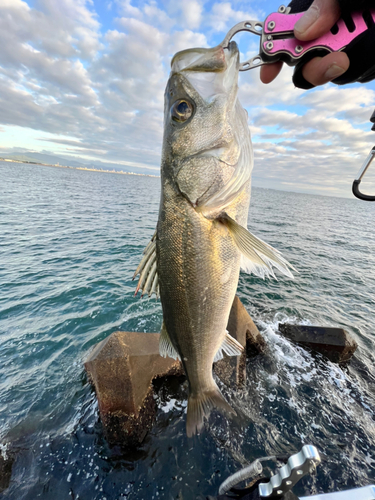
194, 258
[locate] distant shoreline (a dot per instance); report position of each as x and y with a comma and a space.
9, 160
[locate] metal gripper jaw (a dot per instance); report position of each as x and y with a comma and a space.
298, 466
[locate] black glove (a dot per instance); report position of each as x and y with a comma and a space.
361, 50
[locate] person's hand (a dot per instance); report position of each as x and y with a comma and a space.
316, 21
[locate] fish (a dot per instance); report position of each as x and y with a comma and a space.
193, 259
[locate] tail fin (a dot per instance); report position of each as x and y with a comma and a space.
200, 406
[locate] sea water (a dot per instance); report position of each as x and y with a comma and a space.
69, 244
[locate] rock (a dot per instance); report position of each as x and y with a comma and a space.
334, 343
122, 368
232, 369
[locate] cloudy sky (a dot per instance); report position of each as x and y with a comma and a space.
86, 78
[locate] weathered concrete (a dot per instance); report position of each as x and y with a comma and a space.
232, 369
334, 343
123, 366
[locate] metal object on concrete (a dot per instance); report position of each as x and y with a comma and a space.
123, 366
334, 343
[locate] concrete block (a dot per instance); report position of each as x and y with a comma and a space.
334, 343
122, 368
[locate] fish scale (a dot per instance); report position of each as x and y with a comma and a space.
195, 302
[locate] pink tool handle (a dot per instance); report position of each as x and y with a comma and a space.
284, 23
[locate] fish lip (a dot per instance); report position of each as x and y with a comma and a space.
232, 47
192, 64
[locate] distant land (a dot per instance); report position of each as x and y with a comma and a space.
49, 160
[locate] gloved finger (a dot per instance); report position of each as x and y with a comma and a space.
361, 53
321, 70
270, 71
317, 20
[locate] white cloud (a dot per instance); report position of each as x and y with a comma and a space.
65, 73
191, 13
127, 9
144, 35
223, 16
63, 28
181, 40
354, 104
281, 91
309, 141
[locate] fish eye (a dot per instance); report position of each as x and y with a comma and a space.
181, 110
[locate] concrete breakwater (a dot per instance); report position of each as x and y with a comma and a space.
122, 369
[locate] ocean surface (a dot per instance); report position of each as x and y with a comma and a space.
69, 243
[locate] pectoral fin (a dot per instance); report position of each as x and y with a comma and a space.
148, 277
165, 345
230, 346
257, 256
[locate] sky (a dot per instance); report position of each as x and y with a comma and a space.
86, 78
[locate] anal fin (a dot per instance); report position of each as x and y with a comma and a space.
230, 346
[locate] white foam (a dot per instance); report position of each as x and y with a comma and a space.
3, 450
296, 369
169, 406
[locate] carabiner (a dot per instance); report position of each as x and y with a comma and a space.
254, 27
355, 188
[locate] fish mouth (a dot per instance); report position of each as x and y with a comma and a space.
210, 71
215, 59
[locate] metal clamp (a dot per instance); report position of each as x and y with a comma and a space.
254, 27
296, 468
278, 42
